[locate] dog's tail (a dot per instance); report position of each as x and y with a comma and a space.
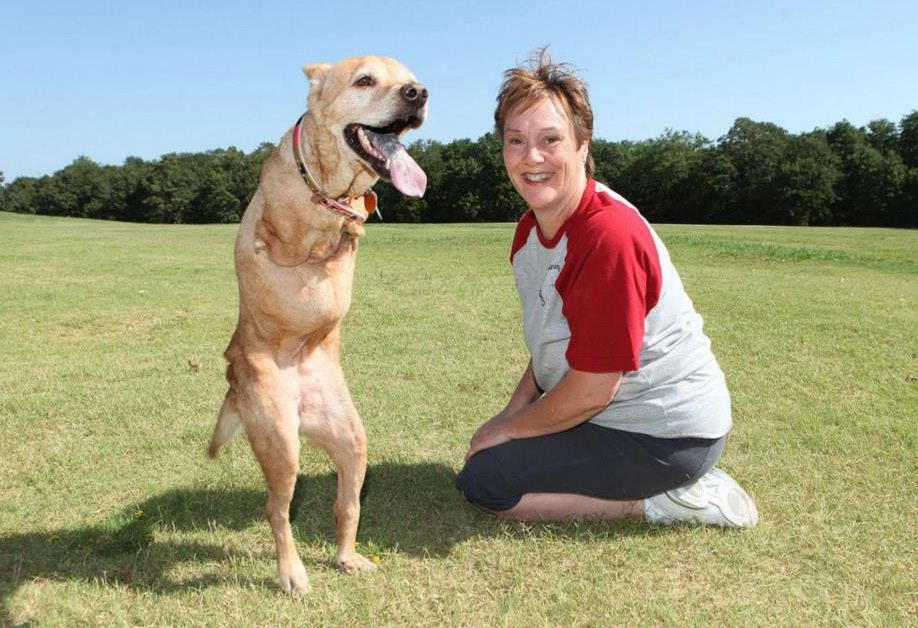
228, 424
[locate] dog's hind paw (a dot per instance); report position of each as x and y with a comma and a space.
296, 582
354, 564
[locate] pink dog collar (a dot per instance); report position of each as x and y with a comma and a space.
339, 206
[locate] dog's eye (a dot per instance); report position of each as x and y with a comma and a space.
365, 81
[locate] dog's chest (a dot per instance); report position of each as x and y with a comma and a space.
324, 297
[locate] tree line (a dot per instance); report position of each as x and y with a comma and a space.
757, 173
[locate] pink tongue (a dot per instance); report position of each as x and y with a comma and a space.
406, 174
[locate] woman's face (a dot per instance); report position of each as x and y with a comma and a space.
542, 158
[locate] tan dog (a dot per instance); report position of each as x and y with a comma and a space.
295, 255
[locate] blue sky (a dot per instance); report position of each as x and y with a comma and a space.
115, 79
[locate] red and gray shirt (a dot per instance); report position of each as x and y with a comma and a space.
603, 296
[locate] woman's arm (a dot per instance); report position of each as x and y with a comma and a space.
577, 397
525, 393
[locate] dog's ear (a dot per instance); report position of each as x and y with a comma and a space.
316, 72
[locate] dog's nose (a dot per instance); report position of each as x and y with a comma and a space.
414, 94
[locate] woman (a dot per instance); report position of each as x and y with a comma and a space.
623, 409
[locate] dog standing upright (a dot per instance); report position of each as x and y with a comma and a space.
295, 255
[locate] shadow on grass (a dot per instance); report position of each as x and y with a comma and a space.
410, 509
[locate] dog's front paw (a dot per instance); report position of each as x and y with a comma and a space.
354, 563
295, 581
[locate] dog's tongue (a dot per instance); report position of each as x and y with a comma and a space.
406, 175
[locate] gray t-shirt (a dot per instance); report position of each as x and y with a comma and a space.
603, 296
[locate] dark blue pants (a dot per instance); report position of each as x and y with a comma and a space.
586, 460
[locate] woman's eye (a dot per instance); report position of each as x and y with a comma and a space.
552, 139
365, 81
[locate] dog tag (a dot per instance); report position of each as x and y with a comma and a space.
370, 204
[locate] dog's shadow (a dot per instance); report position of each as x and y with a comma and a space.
407, 508
411, 509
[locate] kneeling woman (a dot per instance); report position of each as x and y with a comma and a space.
623, 410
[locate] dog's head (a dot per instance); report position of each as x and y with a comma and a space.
367, 104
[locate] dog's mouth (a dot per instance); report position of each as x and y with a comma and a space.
382, 150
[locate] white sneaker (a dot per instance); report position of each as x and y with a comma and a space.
715, 499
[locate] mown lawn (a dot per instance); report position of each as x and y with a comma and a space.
111, 337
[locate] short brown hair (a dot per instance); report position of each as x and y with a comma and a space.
540, 78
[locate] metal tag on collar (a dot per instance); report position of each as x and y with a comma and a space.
371, 204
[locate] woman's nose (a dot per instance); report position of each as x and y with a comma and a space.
533, 154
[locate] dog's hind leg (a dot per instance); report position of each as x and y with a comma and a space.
272, 427
228, 424
330, 420
337, 428
349, 452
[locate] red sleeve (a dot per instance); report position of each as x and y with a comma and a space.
610, 281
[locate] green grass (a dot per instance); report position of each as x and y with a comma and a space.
110, 513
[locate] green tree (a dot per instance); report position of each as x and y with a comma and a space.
904, 210
19, 196
658, 173
612, 160
755, 149
173, 187
500, 201
457, 198
870, 179
883, 135
217, 187
908, 139
84, 189
133, 184
246, 180
805, 182
708, 189
52, 198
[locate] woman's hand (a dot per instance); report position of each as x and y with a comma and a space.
579, 396
493, 432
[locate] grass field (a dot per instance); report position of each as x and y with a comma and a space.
111, 337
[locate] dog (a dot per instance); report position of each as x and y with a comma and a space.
294, 255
